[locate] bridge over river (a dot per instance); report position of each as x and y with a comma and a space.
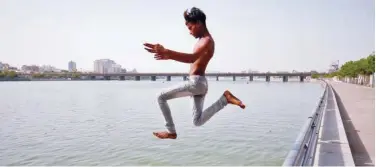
153, 76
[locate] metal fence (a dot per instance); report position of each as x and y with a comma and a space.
303, 150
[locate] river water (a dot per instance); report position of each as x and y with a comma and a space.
111, 123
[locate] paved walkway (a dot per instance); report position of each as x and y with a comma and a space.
357, 107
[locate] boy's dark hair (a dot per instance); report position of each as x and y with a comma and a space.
195, 15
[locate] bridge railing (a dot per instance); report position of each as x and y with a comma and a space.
303, 150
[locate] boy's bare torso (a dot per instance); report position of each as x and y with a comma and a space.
199, 66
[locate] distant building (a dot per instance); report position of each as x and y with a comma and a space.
72, 66
105, 66
12, 68
48, 68
5, 66
114, 68
30, 69
133, 71
253, 71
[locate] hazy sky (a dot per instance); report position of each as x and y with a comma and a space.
264, 35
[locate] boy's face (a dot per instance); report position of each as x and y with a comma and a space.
194, 29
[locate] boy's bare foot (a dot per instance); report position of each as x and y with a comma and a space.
165, 135
233, 100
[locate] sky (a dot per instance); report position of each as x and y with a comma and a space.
260, 35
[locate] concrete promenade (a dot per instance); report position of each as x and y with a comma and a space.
357, 108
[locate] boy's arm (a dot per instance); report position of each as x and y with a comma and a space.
203, 47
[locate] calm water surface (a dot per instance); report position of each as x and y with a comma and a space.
111, 123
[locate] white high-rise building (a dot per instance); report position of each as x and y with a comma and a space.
105, 66
97, 66
48, 68
72, 66
114, 68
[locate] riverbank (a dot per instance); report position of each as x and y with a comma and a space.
13, 79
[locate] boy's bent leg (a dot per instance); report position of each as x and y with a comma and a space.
176, 91
200, 116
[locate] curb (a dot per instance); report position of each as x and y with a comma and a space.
333, 157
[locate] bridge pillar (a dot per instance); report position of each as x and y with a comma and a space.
267, 78
168, 78
217, 78
137, 78
251, 78
234, 78
185, 78
153, 78
302, 78
122, 78
285, 78
107, 77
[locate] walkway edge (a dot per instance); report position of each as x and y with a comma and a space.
344, 154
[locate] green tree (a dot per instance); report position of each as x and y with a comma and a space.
76, 75
363, 66
12, 74
5, 73
62, 75
371, 64
37, 75
315, 76
2, 74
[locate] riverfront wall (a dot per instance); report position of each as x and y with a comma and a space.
322, 140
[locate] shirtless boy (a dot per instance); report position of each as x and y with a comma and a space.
197, 85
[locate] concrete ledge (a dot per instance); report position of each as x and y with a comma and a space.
332, 146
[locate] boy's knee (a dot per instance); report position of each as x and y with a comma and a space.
196, 122
161, 97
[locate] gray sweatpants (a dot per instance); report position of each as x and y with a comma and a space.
196, 88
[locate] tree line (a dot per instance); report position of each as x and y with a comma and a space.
64, 74
57, 75
364, 66
8, 74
